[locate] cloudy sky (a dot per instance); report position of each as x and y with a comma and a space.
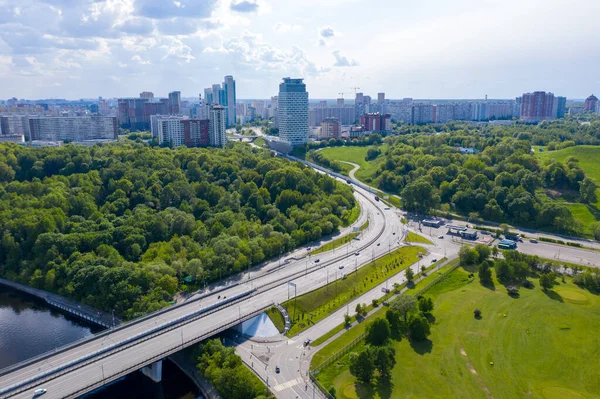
422, 49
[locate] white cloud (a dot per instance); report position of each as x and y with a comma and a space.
327, 32
139, 60
281, 27
342, 60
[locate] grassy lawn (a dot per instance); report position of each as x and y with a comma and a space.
340, 241
357, 155
354, 214
335, 243
260, 142
312, 307
277, 318
413, 237
535, 346
588, 156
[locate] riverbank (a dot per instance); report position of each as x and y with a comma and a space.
79, 310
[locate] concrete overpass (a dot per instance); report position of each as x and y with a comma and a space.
74, 370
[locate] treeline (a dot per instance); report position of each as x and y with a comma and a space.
502, 181
119, 226
224, 369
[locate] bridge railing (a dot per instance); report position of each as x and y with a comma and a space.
117, 347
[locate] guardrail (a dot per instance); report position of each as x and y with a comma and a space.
168, 352
158, 330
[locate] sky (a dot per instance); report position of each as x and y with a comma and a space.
422, 49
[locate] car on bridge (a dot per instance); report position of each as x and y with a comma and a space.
357, 253
39, 392
317, 260
341, 267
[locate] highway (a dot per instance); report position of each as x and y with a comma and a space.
264, 286
81, 368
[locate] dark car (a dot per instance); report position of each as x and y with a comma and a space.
277, 369
317, 260
357, 253
307, 342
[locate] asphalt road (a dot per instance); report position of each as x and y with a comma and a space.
271, 281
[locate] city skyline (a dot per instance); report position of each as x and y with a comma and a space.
463, 50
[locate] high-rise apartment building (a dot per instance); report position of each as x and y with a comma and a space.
217, 125
73, 128
376, 122
443, 113
131, 113
537, 106
208, 96
340, 102
293, 111
174, 103
148, 95
178, 130
331, 128
230, 99
590, 103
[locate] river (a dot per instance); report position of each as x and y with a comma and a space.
29, 327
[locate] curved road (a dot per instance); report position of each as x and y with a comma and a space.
271, 282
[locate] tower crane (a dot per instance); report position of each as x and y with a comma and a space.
355, 89
341, 94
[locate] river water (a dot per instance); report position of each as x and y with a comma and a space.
28, 327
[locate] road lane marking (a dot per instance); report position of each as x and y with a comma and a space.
287, 385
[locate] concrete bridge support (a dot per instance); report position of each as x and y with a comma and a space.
153, 371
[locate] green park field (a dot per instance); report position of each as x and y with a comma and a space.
538, 345
589, 157
312, 307
413, 237
356, 155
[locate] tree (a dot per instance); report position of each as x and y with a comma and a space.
504, 271
547, 280
378, 332
372, 153
419, 196
468, 255
410, 275
419, 328
483, 252
347, 320
485, 274
384, 359
404, 305
587, 190
362, 366
495, 251
397, 326
425, 305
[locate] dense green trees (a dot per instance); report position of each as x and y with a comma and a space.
224, 369
502, 181
119, 226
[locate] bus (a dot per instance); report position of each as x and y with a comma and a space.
507, 244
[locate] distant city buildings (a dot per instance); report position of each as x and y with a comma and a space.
224, 96
293, 111
76, 128
591, 103
538, 106
148, 95
331, 128
178, 131
376, 123
217, 117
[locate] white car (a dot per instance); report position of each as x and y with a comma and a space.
39, 392
341, 267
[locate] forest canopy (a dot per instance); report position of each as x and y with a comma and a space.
120, 226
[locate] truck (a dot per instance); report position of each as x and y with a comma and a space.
512, 237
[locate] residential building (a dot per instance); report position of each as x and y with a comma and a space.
340, 102
331, 128
148, 95
229, 98
401, 112
174, 103
178, 130
376, 122
344, 114
14, 125
443, 113
537, 106
217, 126
73, 128
561, 106
590, 103
422, 113
293, 111
208, 96
131, 113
